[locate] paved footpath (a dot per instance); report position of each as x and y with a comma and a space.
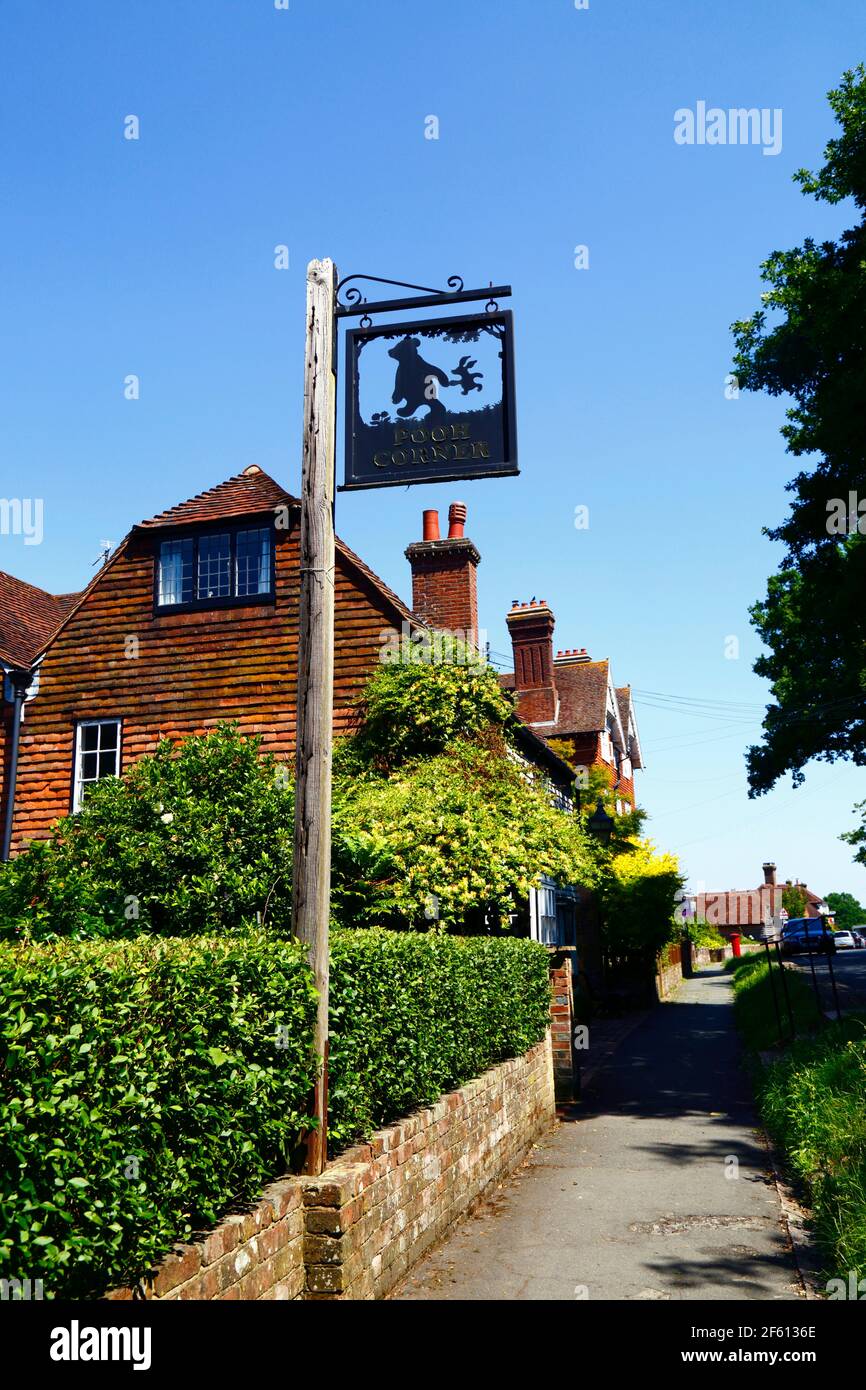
630, 1199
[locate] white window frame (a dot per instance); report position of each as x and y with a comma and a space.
78, 783
543, 918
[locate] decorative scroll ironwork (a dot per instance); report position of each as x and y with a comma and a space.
354, 296
354, 302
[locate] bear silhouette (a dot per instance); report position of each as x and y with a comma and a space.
416, 380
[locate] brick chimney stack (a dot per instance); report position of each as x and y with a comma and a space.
770, 875
444, 575
531, 626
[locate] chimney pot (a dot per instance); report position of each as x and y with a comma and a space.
444, 581
456, 520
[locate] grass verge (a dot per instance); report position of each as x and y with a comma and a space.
812, 1100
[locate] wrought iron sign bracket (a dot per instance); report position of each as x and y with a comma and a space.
355, 304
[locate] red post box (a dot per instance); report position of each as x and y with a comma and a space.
735, 943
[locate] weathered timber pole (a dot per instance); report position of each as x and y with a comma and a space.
311, 884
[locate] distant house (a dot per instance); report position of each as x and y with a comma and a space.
573, 700
751, 911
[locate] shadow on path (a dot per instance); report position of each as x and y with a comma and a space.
658, 1187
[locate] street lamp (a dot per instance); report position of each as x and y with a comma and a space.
600, 824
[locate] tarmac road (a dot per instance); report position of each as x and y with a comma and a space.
849, 968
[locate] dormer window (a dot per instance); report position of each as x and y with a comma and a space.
212, 569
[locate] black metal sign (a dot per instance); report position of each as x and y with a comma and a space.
430, 402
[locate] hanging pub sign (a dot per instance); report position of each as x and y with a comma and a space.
430, 402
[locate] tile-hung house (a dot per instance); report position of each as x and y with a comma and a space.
193, 620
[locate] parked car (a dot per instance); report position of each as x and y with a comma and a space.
807, 934
844, 940
859, 935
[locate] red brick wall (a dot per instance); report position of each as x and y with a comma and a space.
381, 1206
259, 1255
355, 1231
669, 971
562, 1025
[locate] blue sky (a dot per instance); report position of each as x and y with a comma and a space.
306, 127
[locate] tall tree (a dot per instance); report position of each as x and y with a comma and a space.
813, 619
846, 909
857, 837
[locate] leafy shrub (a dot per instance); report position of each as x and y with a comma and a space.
437, 822
439, 839
195, 838
414, 1014
639, 895
703, 935
423, 699
145, 1087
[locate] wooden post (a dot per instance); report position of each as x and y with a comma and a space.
311, 885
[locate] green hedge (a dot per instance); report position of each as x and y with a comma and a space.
152, 1058
416, 1014
149, 1086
